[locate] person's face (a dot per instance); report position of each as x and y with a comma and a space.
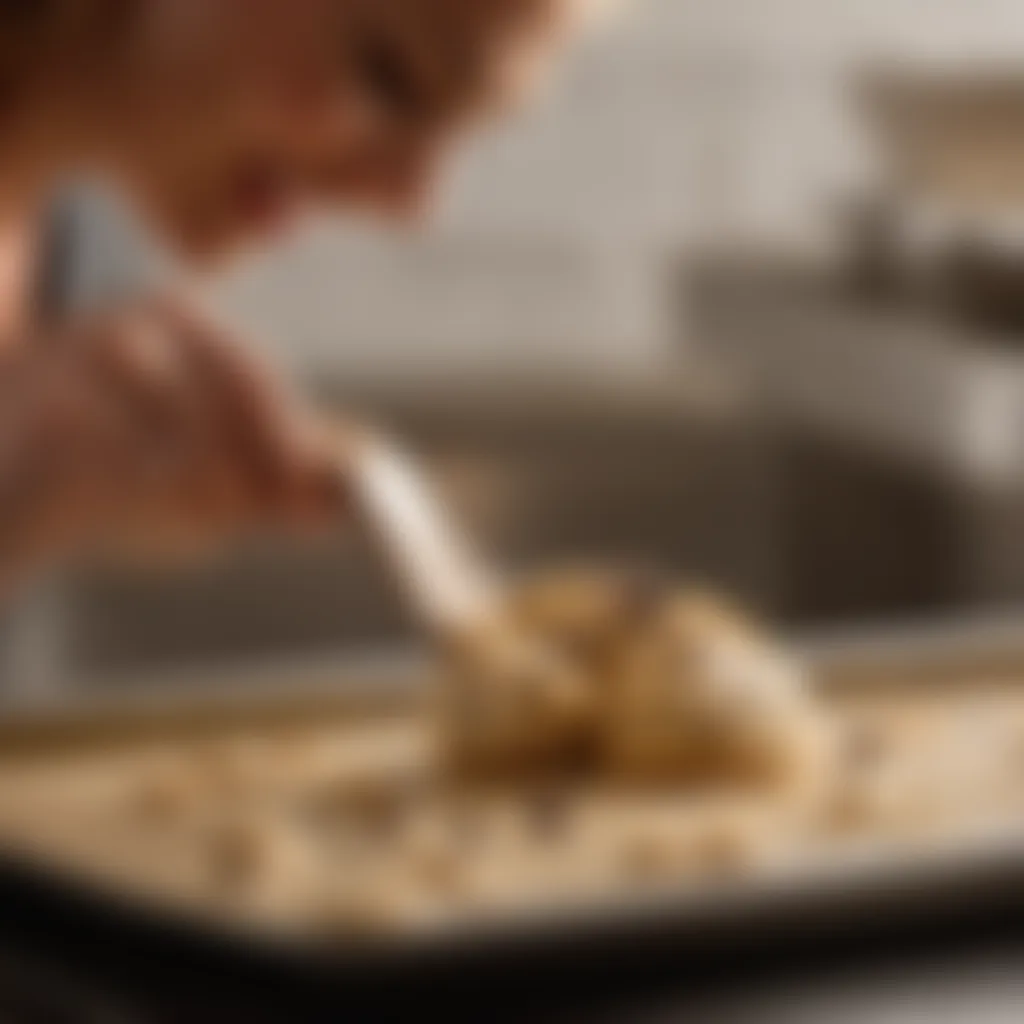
246, 112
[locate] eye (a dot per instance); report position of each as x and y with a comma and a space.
388, 78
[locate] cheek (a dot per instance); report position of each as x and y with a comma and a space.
293, 60
304, 123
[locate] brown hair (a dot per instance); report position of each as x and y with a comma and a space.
40, 37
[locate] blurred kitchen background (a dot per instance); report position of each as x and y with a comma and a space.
744, 301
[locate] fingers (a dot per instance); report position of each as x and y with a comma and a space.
156, 425
244, 416
283, 459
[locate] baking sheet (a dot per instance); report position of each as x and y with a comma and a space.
869, 886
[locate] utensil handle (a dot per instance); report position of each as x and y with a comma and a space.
448, 586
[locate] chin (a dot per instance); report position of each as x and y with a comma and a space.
205, 235
209, 248
196, 240
202, 248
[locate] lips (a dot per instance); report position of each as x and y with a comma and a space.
253, 202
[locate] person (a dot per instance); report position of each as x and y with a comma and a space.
223, 122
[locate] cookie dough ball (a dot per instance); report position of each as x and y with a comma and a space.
258, 864
434, 854
524, 693
697, 693
584, 614
619, 674
168, 790
512, 703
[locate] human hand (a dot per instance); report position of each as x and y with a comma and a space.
152, 427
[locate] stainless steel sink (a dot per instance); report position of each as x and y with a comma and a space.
659, 475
